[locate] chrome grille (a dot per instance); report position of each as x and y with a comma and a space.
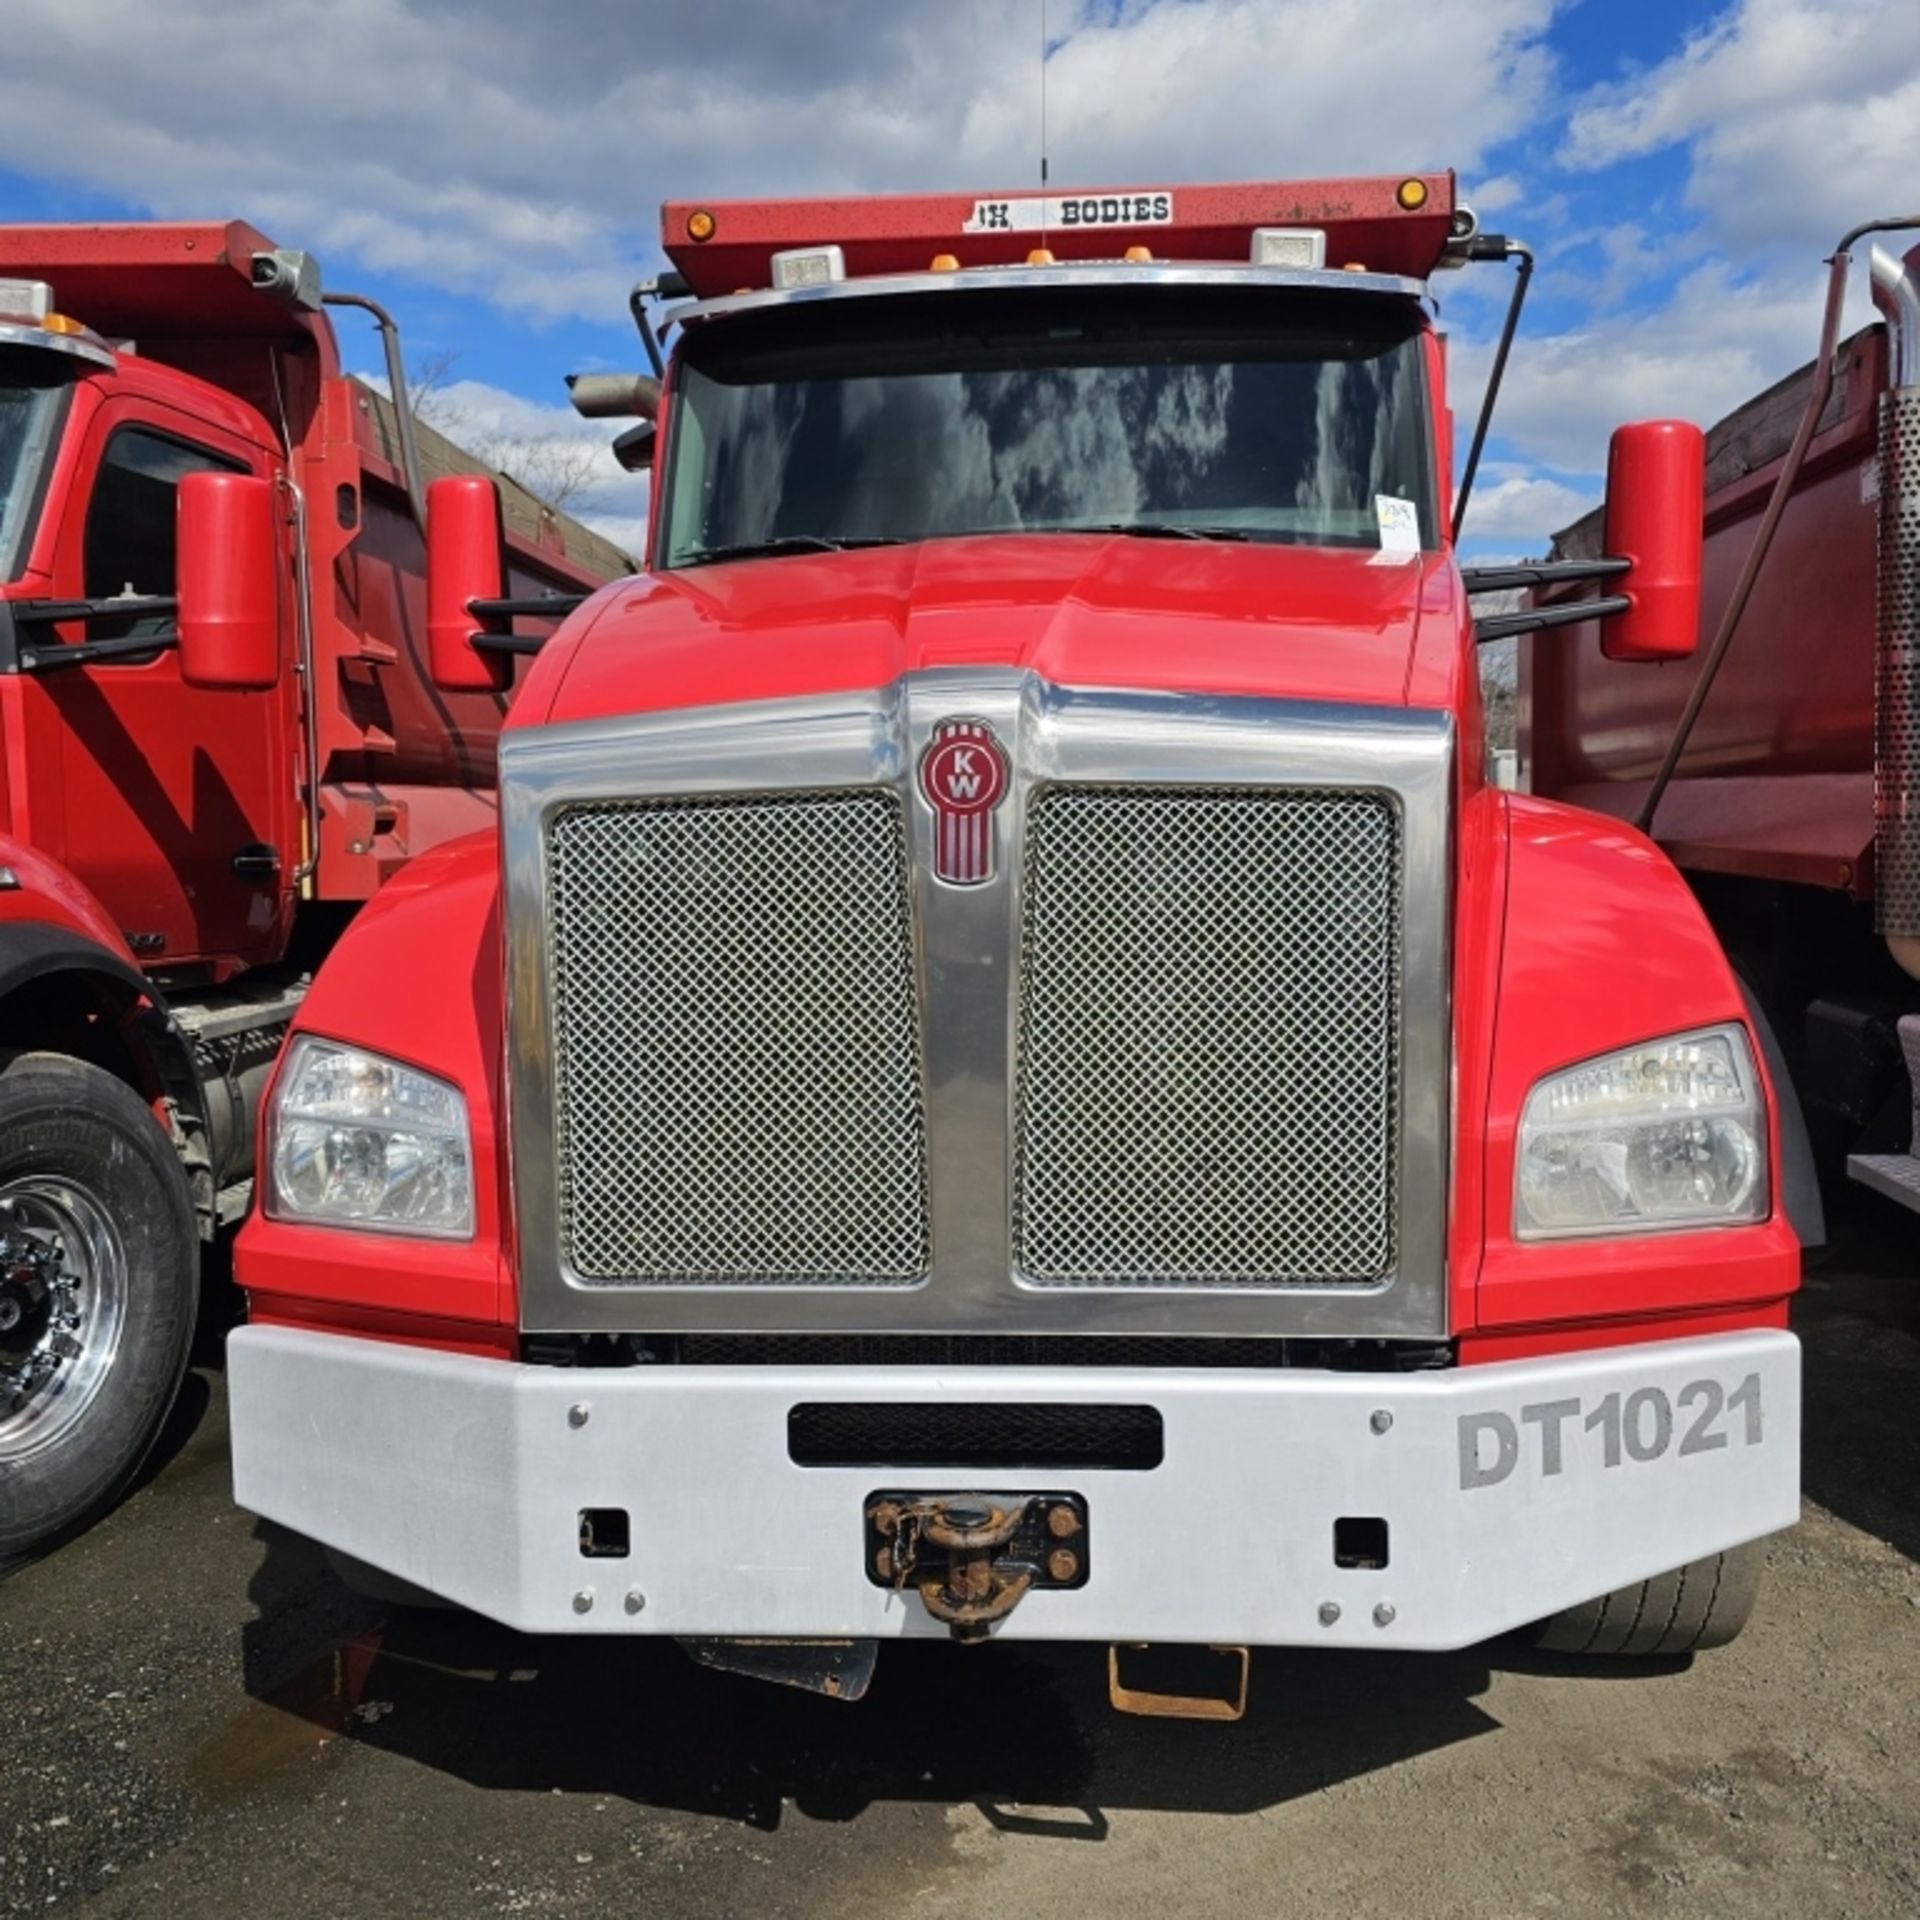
1209, 1038
736, 1042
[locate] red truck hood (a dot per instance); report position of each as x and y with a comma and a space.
1080, 610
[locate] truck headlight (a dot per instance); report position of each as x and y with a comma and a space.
356, 1140
1671, 1133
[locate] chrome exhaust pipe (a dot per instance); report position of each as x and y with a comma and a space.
1896, 699
614, 396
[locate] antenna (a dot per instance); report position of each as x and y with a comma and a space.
1043, 122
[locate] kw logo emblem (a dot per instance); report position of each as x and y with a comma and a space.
963, 776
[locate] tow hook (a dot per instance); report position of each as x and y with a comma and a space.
973, 1557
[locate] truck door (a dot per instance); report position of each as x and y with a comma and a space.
177, 805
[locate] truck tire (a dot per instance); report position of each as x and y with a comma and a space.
99, 1285
1703, 1604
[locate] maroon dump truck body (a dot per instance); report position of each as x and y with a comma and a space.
1790, 807
177, 852
1777, 780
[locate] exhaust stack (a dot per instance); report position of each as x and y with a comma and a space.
1896, 702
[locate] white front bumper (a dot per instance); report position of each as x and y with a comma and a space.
1503, 1501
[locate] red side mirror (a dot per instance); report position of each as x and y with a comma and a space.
464, 548
1656, 481
227, 579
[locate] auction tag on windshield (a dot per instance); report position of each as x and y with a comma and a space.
1399, 522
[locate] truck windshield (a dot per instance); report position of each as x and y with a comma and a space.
1228, 413
32, 403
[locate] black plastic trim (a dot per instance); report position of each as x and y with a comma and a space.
990, 1437
1799, 1195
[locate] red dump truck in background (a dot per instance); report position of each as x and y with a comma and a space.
191, 805
1006, 1073
1792, 800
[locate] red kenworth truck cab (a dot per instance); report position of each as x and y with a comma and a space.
1005, 1071
218, 735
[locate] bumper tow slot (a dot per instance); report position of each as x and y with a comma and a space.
1179, 1683
973, 1557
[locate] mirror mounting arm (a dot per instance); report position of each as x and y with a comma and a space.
1503, 626
1493, 246
133, 647
540, 606
1542, 573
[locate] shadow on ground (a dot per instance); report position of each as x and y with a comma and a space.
1858, 1318
1015, 1729
1022, 1731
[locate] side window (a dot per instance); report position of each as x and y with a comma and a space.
130, 520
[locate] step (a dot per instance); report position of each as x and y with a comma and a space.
1897, 1175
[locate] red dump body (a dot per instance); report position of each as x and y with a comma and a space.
188, 813
1777, 780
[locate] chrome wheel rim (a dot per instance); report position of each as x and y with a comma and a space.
63, 1308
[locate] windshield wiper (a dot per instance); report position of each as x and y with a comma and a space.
787, 543
1151, 530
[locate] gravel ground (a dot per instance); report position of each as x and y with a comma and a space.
200, 1721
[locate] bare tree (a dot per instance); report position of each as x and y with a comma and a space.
554, 468
427, 381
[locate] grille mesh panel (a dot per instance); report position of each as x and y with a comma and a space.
736, 1037
1208, 1038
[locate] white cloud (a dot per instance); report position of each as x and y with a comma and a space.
1523, 508
517, 156
1718, 340
1799, 116
1490, 196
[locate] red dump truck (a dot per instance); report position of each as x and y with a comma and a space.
1005, 1073
1791, 797
192, 804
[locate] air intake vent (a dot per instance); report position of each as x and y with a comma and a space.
1008, 1439
736, 1042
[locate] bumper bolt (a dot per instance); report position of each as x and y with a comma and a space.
1381, 1420
1063, 1563
583, 1600
1383, 1614
577, 1414
1329, 1612
636, 1600
1062, 1522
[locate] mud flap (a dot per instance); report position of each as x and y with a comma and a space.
841, 1669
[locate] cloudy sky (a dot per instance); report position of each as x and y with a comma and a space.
493, 171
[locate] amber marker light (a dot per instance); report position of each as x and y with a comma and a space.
1411, 194
62, 323
943, 263
700, 224
1139, 256
1040, 257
